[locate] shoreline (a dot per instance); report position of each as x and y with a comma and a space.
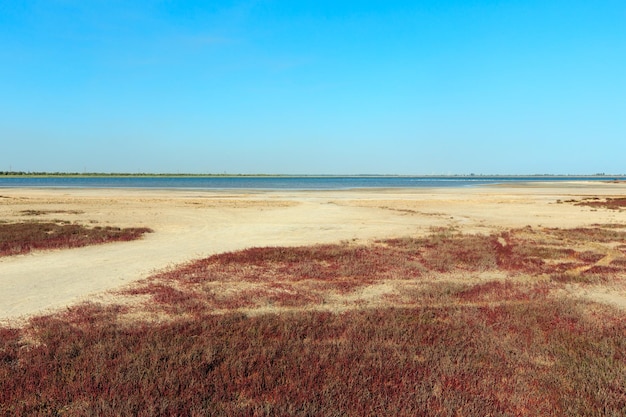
287, 183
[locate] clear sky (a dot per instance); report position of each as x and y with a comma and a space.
313, 86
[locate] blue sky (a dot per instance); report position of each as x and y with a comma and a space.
313, 87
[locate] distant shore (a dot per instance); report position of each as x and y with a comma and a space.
279, 182
228, 175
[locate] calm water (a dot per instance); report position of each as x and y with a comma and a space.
273, 183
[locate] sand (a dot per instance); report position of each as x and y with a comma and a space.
193, 224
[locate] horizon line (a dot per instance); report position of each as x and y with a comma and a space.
188, 174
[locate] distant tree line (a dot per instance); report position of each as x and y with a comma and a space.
143, 174
120, 174
78, 174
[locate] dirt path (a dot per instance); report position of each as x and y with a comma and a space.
189, 225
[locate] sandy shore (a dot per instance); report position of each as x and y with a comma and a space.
193, 224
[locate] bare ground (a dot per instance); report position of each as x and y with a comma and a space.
193, 224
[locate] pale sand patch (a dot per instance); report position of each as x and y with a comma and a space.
605, 295
193, 224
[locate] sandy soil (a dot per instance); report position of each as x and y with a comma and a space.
193, 224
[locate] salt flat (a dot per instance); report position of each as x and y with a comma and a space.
193, 224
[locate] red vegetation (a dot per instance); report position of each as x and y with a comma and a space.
616, 203
292, 277
542, 358
458, 345
20, 238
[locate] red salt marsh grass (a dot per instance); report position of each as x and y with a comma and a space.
616, 203
20, 238
456, 344
544, 357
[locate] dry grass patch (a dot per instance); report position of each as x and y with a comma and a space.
45, 212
